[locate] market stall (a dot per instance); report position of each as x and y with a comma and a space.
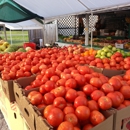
66, 88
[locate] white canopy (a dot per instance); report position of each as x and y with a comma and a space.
55, 8
25, 25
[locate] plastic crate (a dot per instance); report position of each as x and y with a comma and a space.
30, 44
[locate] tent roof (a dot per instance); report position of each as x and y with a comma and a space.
25, 25
55, 8
12, 12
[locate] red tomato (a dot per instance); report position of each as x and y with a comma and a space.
76, 128
46, 61
96, 117
88, 89
34, 69
88, 127
107, 88
125, 90
120, 96
67, 71
27, 68
55, 117
39, 77
19, 74
88, 77
59, 102
126, 102
54, 78
96, 94
12, 75
104, 79
61, 82
65, 126
80, 79
27, 74
115, 83
5, 76
44, 79
71, 83
42, 66
68, 109
28, 87
35, 97
121, 107
71, 94
82, 112
41, 105
84, 70
50, 72
66, 76
48, 98
49, 85
73, 72
36, 83
104, 103
95, 74
80, 101
96, 82
59, 91
116, 100
81, 93
72, 118
93, 105
47, 110
42, 89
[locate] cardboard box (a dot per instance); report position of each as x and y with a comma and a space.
122, 119
33, 117
8, 89
11, 113
108, 72
105, 125
19, 86
108, 123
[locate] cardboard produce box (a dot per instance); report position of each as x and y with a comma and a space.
19, 86
108, 123
8, 89
33, 116
105, 125
11, 113
108, 72
29, 112
122, 119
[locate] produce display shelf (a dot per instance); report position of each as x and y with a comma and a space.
68, 44
61, 43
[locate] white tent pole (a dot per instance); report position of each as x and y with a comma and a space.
87, 30
92, 17
56, 30
23, 35
10, 36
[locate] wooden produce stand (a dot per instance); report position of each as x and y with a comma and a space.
11, 113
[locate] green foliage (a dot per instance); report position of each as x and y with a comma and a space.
18, 37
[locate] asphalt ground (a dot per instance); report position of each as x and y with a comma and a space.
3, 124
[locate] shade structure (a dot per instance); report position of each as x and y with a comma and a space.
12, 12
24, 25
56, 8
